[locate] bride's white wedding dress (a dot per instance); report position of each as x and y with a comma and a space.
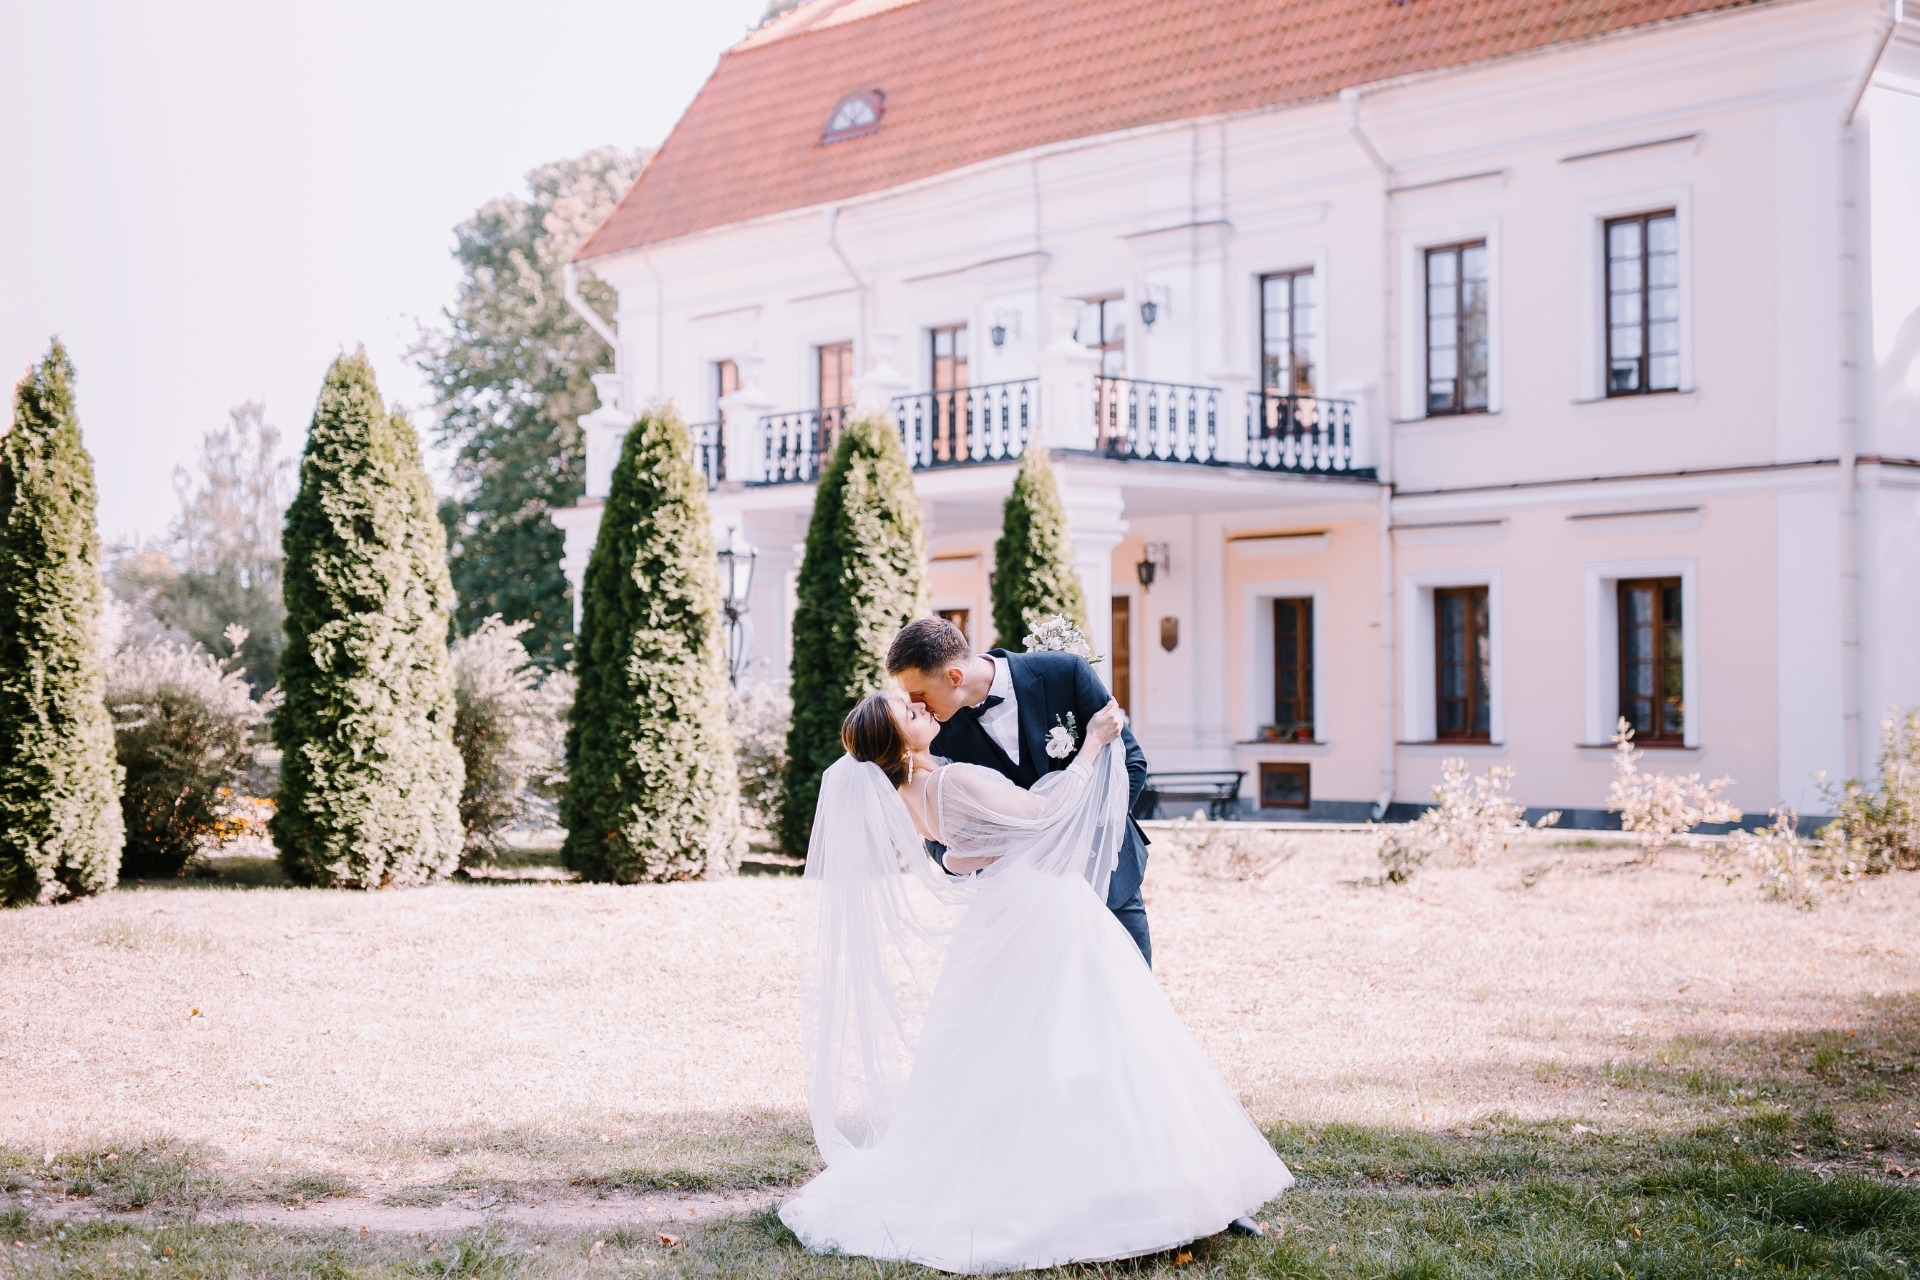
1042, 1103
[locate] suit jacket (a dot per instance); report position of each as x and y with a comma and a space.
1048, 687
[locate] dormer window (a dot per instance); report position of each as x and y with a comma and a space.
856, 116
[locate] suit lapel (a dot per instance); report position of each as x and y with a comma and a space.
963, 739
1031, 694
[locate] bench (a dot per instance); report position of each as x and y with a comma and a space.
1218, 789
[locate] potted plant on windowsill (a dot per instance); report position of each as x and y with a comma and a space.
1285, 733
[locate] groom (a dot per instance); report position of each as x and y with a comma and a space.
997, 709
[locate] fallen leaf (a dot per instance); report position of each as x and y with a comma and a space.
599, 1247
1332, 1249
672, 1242
168, 1251
1182, 1258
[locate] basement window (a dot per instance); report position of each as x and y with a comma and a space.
856, 116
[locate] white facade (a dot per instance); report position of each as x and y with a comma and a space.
1778, 487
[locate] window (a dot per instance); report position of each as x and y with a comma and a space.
950, 357
1286, 333
1103, 327
855, 116
959, 618
1462, 664
1293, 669
1457, 329
726, 381
1122, 670
1643, 304
1652, 662
1286, 785
834, 361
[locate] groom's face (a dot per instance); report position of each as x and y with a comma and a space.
937, 691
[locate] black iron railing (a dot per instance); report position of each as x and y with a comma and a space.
1300, 433
709, 451
1165, 421
987, 423
798, 442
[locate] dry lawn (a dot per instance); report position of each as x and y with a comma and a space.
418, 1043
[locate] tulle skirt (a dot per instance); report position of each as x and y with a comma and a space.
1057, 1110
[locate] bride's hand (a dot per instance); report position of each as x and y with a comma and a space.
1106, 725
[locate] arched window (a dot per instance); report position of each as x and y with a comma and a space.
855, 116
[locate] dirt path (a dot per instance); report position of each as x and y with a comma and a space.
655, 1211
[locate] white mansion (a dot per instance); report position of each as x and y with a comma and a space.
1422, 377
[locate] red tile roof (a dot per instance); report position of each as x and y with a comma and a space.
966, 80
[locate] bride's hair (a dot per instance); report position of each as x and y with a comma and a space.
870, 733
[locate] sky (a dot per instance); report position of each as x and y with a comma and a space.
208, 201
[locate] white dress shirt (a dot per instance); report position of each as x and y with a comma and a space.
1002, 722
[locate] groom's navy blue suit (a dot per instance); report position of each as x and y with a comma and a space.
1049, 687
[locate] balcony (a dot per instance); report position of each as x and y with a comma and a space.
1132, 419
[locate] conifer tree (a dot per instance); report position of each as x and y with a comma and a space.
369, 776
652, 792
862, 580
1033, 573
61, 831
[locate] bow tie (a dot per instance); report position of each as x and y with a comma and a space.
987, 703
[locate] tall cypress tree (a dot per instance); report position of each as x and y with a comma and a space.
61, 830
369, 777
1033, 561
862, 580
651, 787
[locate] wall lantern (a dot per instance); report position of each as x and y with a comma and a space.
999, 335
1005, 321
1156, 560
1159, 300
736, 583
1149, 312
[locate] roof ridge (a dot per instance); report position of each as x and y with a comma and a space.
814, 15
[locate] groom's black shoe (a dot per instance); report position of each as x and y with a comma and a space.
1245, 1227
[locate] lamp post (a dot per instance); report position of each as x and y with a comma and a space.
736, 582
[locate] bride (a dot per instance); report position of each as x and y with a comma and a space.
996, 1082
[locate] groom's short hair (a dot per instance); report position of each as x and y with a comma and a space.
927, 644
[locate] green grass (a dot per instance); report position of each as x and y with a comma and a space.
1733, 1217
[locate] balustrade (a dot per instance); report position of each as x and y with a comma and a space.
987, 423
797, 442
1162, 421
1300, 433
709, 451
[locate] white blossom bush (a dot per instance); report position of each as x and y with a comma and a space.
1472, 818
1660, 809
510, 725
188, 732
762, 714
1227, 850
1878, 828
1787, 868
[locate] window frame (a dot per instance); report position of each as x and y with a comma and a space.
1256, 656
726, 381
1106, 346
1410, 338
1660, 626
875, 100
1459, 249
1602, 656
1295, 339
1273, 768
1478, 671
1644, 360
1419, 683
1592, 217
934, 357
1304, 641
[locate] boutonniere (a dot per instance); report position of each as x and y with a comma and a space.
1063, 737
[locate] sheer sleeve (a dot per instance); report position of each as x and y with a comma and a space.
1071, 821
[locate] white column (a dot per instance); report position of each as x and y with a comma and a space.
1231, 424
581, 525
605, 428
1066, 370
1096, 521
740, 413
1212, 722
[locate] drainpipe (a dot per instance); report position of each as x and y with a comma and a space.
1383, 462
833, 243
1848, 424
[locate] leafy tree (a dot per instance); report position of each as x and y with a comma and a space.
370, 779
652, 792
511, 727
1033, 561
222, 569
511, 376
60, 828
861, 581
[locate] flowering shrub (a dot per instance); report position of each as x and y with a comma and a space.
510, 725
188, 732
1055, 633
1786, 867
1472, 818
1228, 850
1878, 830
762, 714
1660, 809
